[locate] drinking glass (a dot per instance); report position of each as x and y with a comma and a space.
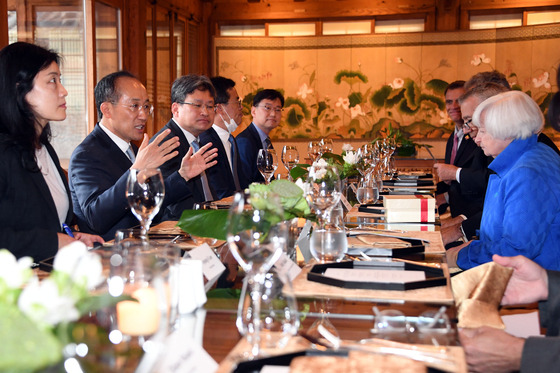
145, 192
256, 236
314, 150
290, 158
328, 240
327, 146
211, 241
267, 163
278, 311
367, 191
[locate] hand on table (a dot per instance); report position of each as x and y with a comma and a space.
156, 153
528, 283
491, 350
88, 239
446, 172
452, 253
451, 233
451, 222
440, 199
194, 164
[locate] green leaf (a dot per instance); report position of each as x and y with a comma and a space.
378, 98
437, 86
205, 223
300, 171
26, 348
350, 77
355, 98
97, 302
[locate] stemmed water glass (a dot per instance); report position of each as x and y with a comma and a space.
314, 150
327, 146
267, 163
256, 236
328, 241
145, 192
290, 158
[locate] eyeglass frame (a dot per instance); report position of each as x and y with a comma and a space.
466, 126
239, 102
199, 106
136, 108
268, 109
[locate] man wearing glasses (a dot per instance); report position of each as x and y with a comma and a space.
193, 110
267, 114
100, 165
225, 177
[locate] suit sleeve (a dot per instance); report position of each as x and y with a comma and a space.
102, 200
248, 159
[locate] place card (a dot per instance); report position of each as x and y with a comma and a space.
183, 354
212, 267
287, 267
345, 203
375, 275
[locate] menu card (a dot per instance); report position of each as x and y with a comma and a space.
375, 275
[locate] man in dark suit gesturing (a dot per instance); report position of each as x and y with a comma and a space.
267, 114
100, 165
193, 110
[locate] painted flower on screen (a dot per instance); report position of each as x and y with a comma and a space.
355, 111
343, 103
542, 80
479, 58
397, 83
304, 90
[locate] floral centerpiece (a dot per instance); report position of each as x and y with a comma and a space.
36, 316
346, 164
213, 223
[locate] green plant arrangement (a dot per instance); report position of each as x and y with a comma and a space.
213, 223
37, 318
346, 164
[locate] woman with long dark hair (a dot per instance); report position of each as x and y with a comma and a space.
34, 199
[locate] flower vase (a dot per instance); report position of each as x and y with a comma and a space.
349, 189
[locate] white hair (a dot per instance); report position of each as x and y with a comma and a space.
509, 115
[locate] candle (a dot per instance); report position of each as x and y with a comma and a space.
139, 318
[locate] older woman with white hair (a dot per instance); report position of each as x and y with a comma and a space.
522, 206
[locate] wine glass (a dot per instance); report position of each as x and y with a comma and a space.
328, 241
368, 191
314, 150
256, 236
327, 146
290, 158
267, 163
145, 192
199, 240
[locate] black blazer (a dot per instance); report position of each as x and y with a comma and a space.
249, 143
98, 174
220, 176
28, 218
196, 191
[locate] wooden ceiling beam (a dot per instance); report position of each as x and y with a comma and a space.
247, 10
505, 4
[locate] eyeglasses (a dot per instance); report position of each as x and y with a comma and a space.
467, 125
199, 106
268, 109
136, 108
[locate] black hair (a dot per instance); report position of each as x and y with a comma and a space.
19, 65
268, 94
187, 84
106, 89
221, 85
454, 85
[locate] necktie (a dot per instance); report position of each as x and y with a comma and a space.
268, 143
454, 149
234, 162
130, 154
205, 186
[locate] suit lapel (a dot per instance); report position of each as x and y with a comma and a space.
120, 159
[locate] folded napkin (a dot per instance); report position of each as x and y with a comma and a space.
478, 293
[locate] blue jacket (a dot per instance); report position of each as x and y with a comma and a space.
521, 209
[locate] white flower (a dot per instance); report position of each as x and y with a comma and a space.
355, 111
42, 302
479, 58
320, 173
541, 80
14, 272
321, 163
397, 83
82, 266
304, 91
347, 147
302, 184
350, 157
343, 103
